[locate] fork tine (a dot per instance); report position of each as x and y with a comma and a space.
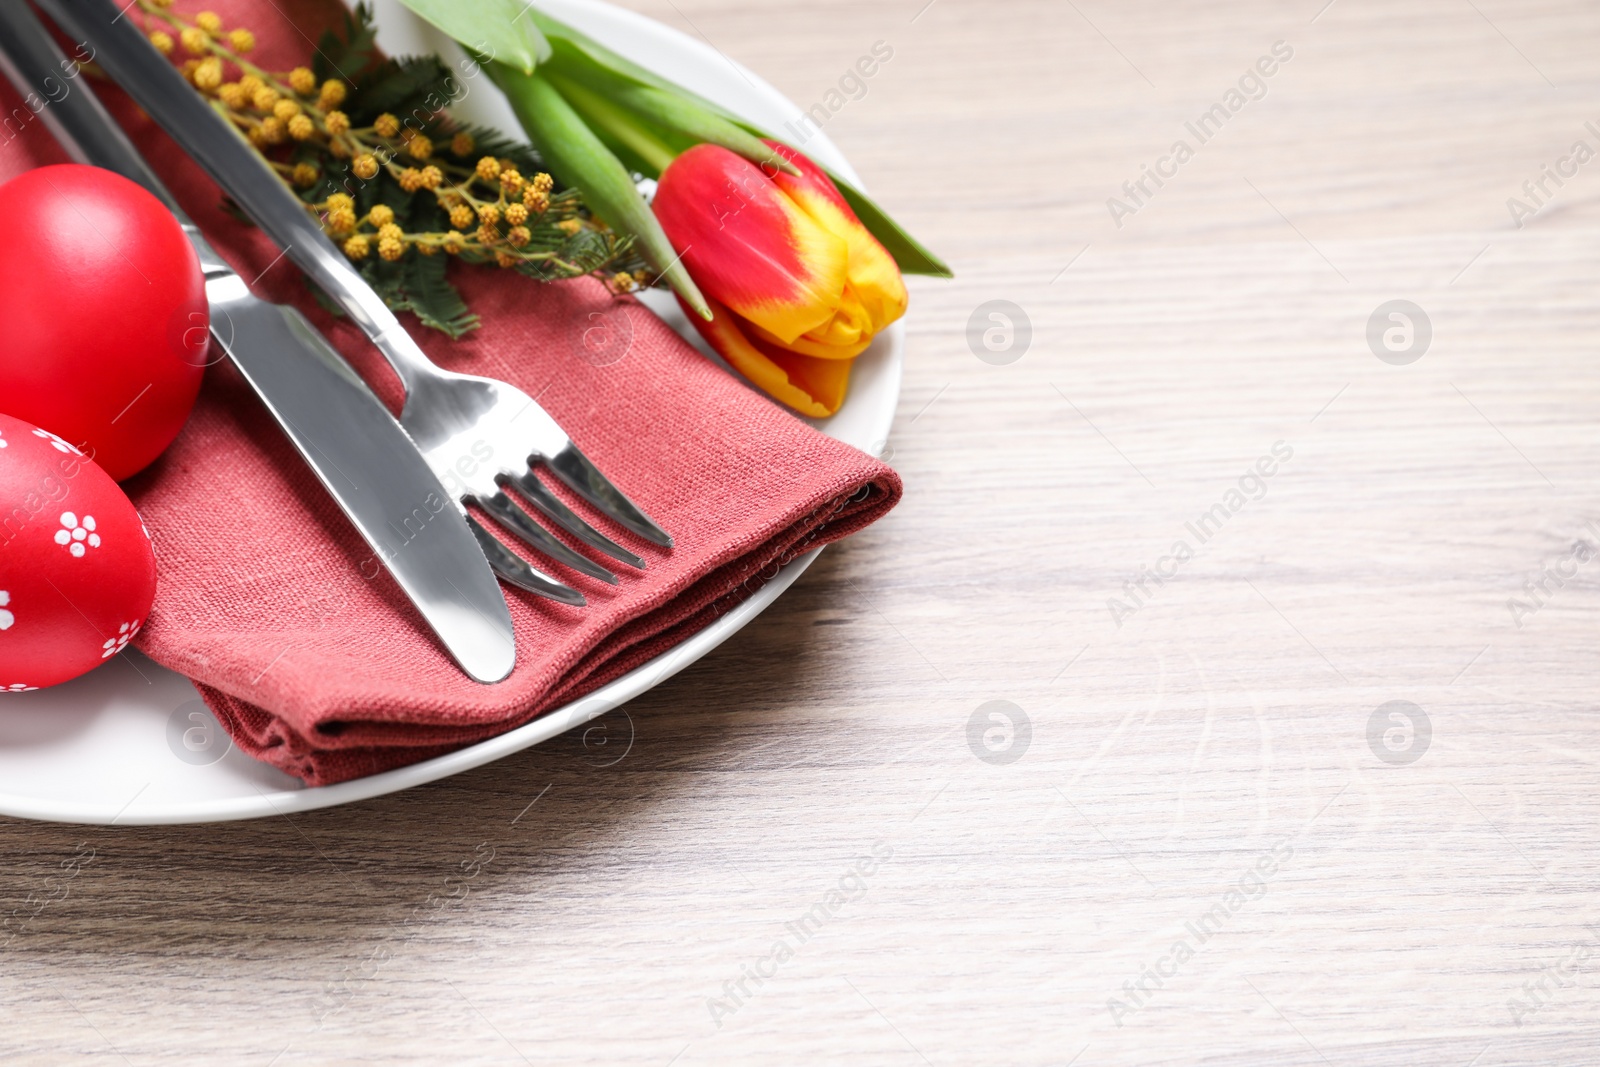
557, 512
505, 511
585, 479
514, 569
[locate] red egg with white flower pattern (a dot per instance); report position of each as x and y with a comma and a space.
77, 571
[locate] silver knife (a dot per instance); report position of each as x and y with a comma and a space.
368, 464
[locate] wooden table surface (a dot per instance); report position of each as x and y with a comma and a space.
1205, 834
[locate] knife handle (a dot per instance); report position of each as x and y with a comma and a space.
33, 62
123, 51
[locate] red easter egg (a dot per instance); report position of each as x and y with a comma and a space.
77, 572
105, 314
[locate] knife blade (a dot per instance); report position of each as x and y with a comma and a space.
361, 455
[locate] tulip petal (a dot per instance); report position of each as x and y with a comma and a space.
814, 387
833, 341
873, 275
823, 380
748, 245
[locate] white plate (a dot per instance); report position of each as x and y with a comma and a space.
131, 742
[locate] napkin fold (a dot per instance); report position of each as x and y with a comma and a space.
301, 643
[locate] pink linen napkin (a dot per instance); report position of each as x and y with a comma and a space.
305, 648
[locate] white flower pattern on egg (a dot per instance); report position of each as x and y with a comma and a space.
17, 688
120, 642
56, 443
75, 535
3, 442
7, 619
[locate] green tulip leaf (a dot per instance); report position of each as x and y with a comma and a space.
639, 141
501, 30
578, 157
676, 118
580, 58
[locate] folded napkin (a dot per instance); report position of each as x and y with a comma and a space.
304, 647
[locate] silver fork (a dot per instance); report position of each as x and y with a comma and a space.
482, 437
479, 435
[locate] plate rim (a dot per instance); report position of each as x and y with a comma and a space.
607, 698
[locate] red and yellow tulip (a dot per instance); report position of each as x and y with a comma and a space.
787, 270
797, 286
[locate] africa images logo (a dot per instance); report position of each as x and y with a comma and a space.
1252, 486
1139, 991
1251, 85
849, 888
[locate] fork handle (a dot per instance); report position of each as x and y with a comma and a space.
155, 85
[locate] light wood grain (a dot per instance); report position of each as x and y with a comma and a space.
1224, 718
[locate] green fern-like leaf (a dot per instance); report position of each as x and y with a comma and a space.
585, 252
411, 85
491, 142
418, 284
417, 89
348, 53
